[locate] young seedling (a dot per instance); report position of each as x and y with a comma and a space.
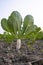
17, 27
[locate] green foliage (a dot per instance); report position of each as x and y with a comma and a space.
13, 24
32, 36
27, 24
15, 21
40, 35
7, 37
14, 30
1, 36
4, 24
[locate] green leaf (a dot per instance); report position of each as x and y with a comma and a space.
28, 22
15, 21
40, 35
33, 31
8, 37
4, 24
1, 36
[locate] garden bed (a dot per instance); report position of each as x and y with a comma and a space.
9, 55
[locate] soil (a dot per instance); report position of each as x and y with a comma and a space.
27, 55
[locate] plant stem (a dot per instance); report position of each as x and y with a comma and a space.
18, 46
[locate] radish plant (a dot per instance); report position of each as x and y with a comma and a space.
18, 27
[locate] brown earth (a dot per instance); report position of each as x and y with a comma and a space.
33, 53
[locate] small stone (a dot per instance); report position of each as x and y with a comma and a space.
29, 63
13, 60
5, 50
10, 55
8, 48
6, 60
